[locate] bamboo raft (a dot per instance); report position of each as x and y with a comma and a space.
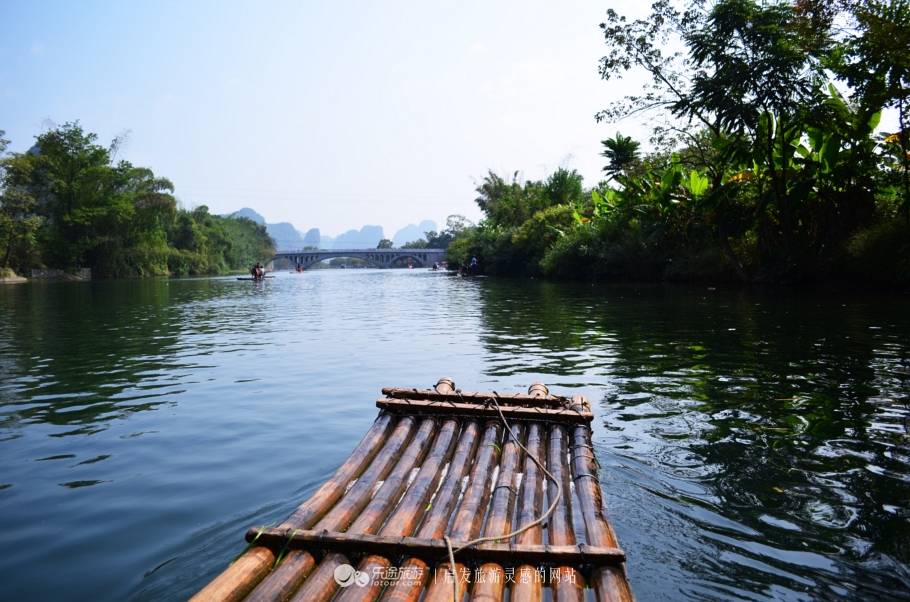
443, 462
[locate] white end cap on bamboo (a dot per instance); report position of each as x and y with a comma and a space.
445, 385
538, 390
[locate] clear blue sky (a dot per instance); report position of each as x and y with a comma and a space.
328, 114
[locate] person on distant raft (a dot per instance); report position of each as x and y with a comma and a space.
473, 266
260, 273
254, 271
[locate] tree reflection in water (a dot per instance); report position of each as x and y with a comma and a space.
765, 434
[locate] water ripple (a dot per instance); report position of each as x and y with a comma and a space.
752, 446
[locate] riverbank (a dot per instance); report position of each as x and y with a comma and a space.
558, 229
8, 276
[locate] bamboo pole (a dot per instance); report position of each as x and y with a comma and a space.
490, 582
321, 584
568, 585
284, 580
527, 585
432, 549
412, 507
609, 582
441, 508
473, 410
542, 401
466, 524
243, 574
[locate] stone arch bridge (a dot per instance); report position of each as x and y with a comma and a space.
377, 258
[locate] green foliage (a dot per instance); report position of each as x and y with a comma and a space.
541, 230
203, 243
876, 63
622, 153
18, 229
881, 253
455, 226
764, 171
748, 61
431, 240
521, 220
385, 243
65, 203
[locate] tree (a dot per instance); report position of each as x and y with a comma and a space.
438, 240
420, 243
621, 151
749, 60
76, 192
457, 224
65, 203
203, 243
561, 188
385, 243
642, 45
875, 61
502, 202
18, 228
753, 77
763, 170
18, 222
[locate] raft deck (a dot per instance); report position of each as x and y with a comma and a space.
443, 462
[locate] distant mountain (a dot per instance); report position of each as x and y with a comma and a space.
411, 232
286, 237
311, 238
367, 237
289, 238
249, 214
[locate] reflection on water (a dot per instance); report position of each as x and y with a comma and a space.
752, 445
76, 353
764, 437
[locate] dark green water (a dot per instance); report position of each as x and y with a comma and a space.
752, 446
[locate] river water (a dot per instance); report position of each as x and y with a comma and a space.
752, 445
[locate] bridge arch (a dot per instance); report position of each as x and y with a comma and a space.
413, 258
381, 258
325, 260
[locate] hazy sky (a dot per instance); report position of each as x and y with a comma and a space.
332, 114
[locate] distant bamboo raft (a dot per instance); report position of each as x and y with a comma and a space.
441, 462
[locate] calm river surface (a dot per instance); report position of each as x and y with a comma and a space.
752, 445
